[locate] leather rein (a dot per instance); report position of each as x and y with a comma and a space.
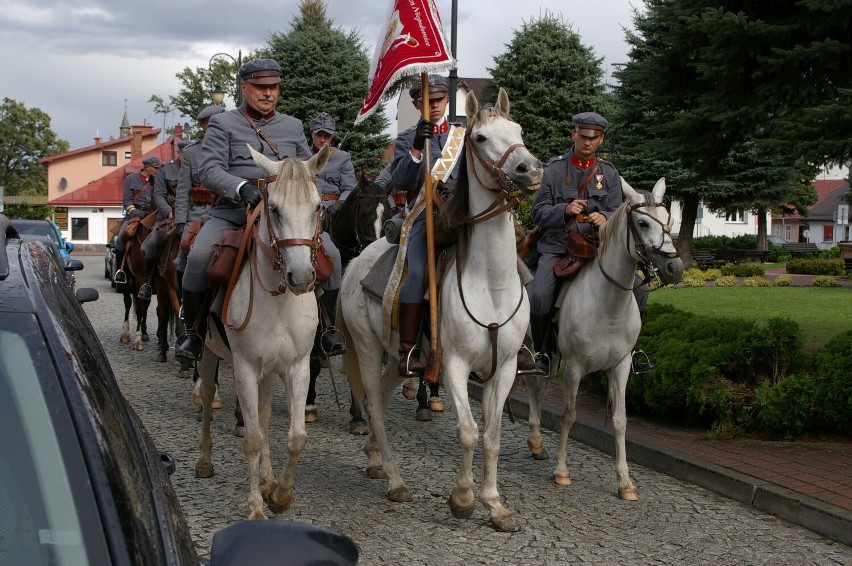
509, 193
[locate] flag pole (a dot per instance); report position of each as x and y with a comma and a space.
433, 359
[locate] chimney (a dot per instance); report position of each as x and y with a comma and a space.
136, 146
97, 141
178, 132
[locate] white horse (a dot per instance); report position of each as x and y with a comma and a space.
272, 299
599, 320
483, 287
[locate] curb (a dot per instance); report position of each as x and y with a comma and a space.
822, 518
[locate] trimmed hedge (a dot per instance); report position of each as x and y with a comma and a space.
816, 267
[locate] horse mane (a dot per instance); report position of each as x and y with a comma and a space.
293, 169
456, 210
610, 228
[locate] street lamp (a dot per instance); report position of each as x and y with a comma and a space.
217, 95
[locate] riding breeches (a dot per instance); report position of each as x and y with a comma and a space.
414, 286
542, 290
119, 240
153, 244
197, 211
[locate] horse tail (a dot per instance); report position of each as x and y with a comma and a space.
351, 364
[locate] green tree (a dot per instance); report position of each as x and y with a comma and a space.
549, 76
25, 137
324, 69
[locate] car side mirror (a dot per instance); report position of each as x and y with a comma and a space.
264, 542
73, 265
86, 295
69, 246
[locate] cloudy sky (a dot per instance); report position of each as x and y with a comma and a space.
81, 61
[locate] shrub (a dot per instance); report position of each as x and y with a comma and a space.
825, 281
690, 280
786, 409
726, 281
783, 281
756, 281
743, 270
816, 266
834, 407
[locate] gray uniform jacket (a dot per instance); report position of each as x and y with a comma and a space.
226, 160
405, 172
189, 177
165, 186
337, 177
559, 186
132, 184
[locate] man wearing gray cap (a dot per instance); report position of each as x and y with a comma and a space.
165, 186
228, 169
136, 200
337, 178
193, 200
579, 192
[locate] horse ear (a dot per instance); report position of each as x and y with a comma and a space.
269, 166
629, 192
318, 161
659, 190
471, 106
502, 102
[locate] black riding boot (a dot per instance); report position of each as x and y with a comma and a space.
540, 326
120, 277
145, 290
330, 338
192, 342
409, 326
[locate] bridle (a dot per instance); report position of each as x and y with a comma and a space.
640, 248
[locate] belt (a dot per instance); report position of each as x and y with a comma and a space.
330, 197
202, 198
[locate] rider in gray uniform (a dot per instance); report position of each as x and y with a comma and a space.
193, 200
559, 208
136, 201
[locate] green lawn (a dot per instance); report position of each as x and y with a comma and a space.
821, 312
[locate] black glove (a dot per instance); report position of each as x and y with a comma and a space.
332, 210
250, 195
422, 132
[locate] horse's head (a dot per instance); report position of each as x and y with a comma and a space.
359, 221
648, 220
290, 221
501, 160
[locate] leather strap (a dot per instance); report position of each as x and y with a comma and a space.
330, 197
261, 133
252, 218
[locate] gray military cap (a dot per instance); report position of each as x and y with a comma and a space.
322, 123
148, 161
589, 124
437, 85
183, 143
210, 111
261, 72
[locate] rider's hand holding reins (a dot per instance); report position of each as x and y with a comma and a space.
250, 195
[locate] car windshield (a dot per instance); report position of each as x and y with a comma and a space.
38, 518
39, 229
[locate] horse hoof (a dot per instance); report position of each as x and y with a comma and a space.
542, 455
423, 415
124, 340
203, 470
376, 473
279, 500
400, 495
311, 414
409, 389
184, 374
460, 512
257, 516
145, 338
436, 404
139, 347
239, 431
562, 479
538, 451
505, 524
161, 358
628, 493
359, 428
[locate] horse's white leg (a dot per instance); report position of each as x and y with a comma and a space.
207, 373
390, 383
493, 400
536, 385
265, 392
137, 343
455, 382
297, 380
617, 378
246, 378
571, 382
125, 332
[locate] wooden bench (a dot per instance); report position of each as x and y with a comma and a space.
847, 265
761, 255
797, 249
706, 258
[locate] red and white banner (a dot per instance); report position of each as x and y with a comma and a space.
411, 42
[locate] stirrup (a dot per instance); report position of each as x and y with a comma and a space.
640, 362
542, 362
145, 291
406, 364
332, 342
120, 277
526, 363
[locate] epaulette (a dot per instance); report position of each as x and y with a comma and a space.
194, 142
555, 159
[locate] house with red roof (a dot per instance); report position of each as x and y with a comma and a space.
827, 221
85, 185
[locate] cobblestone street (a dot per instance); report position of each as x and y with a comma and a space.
672, 523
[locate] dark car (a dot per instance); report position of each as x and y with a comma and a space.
81, 481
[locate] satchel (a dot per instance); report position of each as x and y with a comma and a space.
189, 236
579, 250
324, 266
224, 258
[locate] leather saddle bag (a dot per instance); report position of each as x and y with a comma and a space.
224, 257
324, 265
579, 250
189, 236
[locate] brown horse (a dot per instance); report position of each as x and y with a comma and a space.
165, 281
134, 266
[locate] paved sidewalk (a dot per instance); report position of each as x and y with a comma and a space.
806, 483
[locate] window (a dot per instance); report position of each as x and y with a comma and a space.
788, 232
109, 158
127, 155
737, 216
828, 233
79, 228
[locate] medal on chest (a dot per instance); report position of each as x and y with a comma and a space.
599, 178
